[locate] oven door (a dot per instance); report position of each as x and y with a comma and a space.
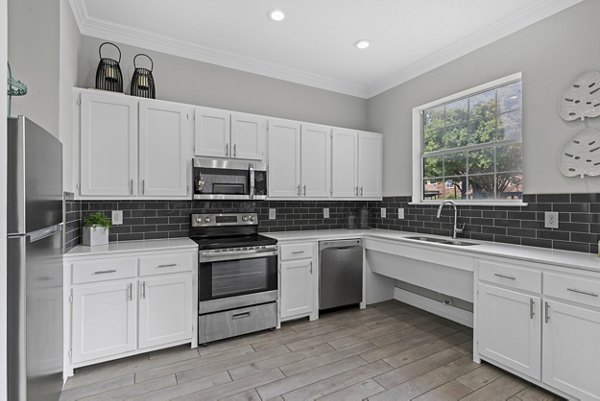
236, 273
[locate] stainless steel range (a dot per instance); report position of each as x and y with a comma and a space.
237, 276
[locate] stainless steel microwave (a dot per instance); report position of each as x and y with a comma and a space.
216, 179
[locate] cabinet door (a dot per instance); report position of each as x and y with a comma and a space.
164, 150
284, 159
370, 161
297, 289
316, 161
344, 163
104, 320
248, 136
509, 325
212, 132
109, 132
571, 349
165, 310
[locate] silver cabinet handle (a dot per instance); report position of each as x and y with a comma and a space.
143, 187
226, 149
299, 190
297, 252
240, 315
131, 187
143, 289
131, 291
310, 263
235, 150
503, 276
361, 191
305, 190
531, 308
105, 271
355, 191
590, 294
169, 265
547, 312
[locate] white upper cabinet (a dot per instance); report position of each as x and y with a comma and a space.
370, 163
248, 133
316, 161
212, 132
165, 149
357, 159
108, 141
284, 159
220, 133
344, 163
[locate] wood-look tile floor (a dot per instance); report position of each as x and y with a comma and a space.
389, 351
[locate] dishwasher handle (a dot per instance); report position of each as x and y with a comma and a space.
341, 244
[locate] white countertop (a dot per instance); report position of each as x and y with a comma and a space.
569, 259
133, 247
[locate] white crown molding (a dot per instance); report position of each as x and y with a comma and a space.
532, 13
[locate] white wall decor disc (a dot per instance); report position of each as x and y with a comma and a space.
582, 99
581, 155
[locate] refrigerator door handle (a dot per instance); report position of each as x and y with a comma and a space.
44, 232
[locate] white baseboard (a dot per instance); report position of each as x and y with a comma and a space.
438, 308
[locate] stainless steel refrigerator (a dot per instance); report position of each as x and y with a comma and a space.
35, 318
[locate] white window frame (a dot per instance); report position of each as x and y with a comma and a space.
417, 145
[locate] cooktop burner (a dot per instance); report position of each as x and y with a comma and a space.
230, 230
234, 241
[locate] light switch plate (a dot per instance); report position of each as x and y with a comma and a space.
383, 213
401, 213
551, 219
272, 214
325, 212
117, 217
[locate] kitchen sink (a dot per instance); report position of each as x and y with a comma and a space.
444, 241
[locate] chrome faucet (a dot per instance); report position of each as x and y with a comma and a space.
456, 229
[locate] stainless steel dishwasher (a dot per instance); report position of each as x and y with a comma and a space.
341, 273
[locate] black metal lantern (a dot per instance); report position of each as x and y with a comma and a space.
108, 74
142, 82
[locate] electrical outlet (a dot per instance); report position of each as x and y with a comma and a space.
551, 219
117, 217
383, 213
325, 212
272, 214
401, 213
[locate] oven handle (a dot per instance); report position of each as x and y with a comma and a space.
236, 255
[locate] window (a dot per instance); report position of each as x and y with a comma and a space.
468, 146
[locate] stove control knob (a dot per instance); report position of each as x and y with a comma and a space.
251, 218
198, 219
245, 218
207, 219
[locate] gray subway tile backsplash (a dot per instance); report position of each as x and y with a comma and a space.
579, 216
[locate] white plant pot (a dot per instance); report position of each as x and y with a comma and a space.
95, 236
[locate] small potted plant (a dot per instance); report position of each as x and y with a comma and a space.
95, 229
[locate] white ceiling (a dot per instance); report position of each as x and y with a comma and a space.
314, 44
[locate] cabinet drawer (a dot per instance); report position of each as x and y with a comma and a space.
101, 270
296, 251
576, 289
510, 276
167, 263
217, 326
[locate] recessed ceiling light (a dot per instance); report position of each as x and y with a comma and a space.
276, 15
362, 44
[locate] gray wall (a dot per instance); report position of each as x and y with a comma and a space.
33, 43
188, 81
550, 55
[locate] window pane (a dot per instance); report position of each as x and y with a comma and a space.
482, 106
433, 188
509, 158
433, 139
434, 117
510, 185
509, 125
455, 164
509, 97
457, 112
481, 161
482, 131
482, 186
456, 136
454, 188
433, 166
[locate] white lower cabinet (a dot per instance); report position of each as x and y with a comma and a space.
104, 320
297, 272
123, 305
509, 331
572, 349
165, 310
